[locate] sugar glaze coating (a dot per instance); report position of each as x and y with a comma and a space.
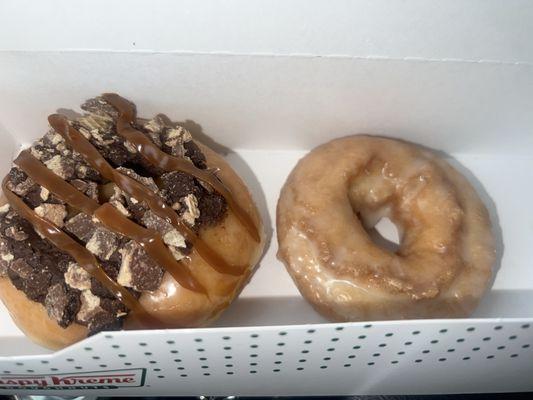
341, 189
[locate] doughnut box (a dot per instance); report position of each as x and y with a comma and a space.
263, 83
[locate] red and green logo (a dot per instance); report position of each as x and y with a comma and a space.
115, 379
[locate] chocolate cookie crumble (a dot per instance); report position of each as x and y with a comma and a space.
53, 278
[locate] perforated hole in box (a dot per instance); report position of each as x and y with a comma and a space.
292, 351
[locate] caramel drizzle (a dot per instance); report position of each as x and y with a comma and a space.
170, 163
80, 144
110, 217
82, 256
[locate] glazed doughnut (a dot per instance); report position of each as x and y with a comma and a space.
115, 222
340, 190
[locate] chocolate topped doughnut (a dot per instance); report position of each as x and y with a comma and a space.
108, 211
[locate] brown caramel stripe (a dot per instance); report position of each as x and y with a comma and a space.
170, 163
151, 242
110, 217
80, 144
82, 256
39, 173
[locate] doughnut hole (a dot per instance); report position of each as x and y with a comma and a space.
385, 234
371, 197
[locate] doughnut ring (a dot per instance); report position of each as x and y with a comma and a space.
341, 189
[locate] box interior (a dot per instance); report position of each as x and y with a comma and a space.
265, 100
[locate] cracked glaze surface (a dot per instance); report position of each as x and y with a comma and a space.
340, 191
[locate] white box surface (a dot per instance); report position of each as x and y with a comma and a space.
269, 81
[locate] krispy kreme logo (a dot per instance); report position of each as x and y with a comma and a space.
87, 380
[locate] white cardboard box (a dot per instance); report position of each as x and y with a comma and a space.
269, 81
